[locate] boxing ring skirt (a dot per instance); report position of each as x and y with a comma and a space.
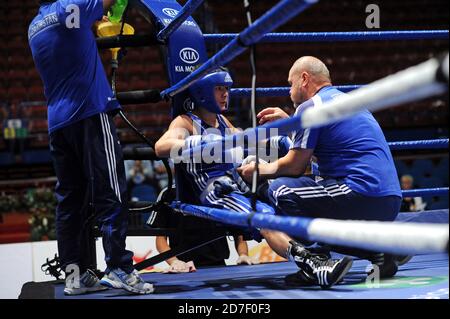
424, 277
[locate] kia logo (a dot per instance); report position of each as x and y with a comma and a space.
170, 12
189, 55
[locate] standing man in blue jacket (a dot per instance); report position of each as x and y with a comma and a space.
86, 152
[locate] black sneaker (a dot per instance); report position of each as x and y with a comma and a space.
319, 269
402, 259
301, 277
320, 251
386, 264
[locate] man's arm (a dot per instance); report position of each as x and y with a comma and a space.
293, 164
271, 114
179, 129
240, 245
176, 265
242, 250
162, 246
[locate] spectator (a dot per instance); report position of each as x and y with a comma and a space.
13, 132
161, 173
141, 181
140, 172
411, 204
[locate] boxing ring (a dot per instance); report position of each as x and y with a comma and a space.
425, 236
424, 277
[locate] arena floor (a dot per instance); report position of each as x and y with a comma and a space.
424, 277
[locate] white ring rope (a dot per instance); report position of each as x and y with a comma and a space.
388, 237
411, 84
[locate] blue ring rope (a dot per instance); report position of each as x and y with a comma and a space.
279, 14
425, 144
291, 225
439, 191
281, 91
336, 36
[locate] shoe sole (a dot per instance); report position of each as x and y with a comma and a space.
138, 291
295, 280
81, 291
403, 261
346, 269
119, 285
110, 283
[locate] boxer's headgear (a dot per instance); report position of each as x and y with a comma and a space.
202, 91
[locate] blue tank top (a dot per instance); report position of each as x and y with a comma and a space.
192, 178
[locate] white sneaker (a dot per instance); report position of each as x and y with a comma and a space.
88, 283
131, 282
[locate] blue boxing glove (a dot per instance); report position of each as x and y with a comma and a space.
197, 140
224, 186
202, 141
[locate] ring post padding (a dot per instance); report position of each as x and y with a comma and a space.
185, 49
180, 18
273, 18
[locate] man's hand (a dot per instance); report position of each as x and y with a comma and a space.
104, 19
271, 114
246, 171
179, 266
108, 4
246, 260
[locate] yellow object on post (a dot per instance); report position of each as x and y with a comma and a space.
110, 29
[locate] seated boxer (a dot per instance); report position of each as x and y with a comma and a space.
212, 184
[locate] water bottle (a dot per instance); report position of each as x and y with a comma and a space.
117, 10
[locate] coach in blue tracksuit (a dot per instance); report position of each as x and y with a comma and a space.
358, 179
86, 152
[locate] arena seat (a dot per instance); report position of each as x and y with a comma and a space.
422, 167
429, 182
144, 192
401, 167
439, 203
